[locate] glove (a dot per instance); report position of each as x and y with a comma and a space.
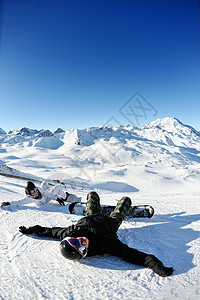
5, 204
29, 230
25, 230
60, 201
157, 266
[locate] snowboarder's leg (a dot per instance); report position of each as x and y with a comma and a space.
58, 191
45, 185
121, 210
93, 204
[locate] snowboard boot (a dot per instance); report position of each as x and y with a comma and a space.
121, 210
93, 204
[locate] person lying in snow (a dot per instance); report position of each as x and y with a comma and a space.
42, 195
95, 234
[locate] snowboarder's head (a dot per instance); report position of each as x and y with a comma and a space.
74, 248
30, 188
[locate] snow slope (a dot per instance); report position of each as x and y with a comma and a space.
157, 164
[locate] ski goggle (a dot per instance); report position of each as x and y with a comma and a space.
75, 243
32, 193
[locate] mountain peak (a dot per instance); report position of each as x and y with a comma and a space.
2, 131
165, 122
45, 133
59, 130
172, 125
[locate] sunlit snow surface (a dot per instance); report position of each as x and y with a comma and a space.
157, 165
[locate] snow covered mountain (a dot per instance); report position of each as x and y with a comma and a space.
166, 141
158, 164
158, 151
2, 131
168, 128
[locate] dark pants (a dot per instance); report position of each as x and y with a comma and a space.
93, 207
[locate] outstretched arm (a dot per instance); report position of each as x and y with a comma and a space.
157, 266
54, 232
23, 201
139, 258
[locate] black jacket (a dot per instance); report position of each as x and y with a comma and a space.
101, 232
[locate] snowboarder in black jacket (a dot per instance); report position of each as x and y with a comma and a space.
95, 234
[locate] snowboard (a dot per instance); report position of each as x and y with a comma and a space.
138, 211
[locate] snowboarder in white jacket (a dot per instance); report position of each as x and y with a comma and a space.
42, 195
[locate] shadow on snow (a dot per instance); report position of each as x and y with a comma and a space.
168, 240
166, 237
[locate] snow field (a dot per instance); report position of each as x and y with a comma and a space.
156, 165
33, 268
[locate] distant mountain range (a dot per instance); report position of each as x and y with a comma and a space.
164, 141
29, 132
169, 127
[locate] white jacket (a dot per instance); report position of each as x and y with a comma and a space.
48, 194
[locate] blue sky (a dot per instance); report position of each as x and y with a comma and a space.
77, 64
